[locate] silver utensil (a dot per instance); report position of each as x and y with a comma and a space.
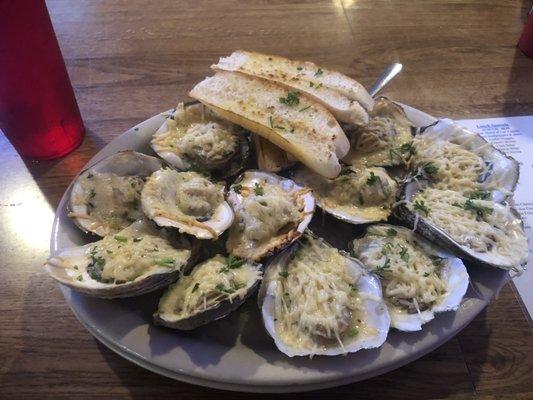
390, 72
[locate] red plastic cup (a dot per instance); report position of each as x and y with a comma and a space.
38, 110
526, 40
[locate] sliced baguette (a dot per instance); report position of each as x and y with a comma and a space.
307, 130
344, 97
269, 156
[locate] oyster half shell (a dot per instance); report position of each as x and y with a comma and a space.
316, 300
195, 138
137, 260
384, 141
213, 289
105, 198
187, 201
359, 195
481, 231
418, 279
451, 157
270, 213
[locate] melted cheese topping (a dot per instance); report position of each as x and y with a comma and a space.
317, 302
198, 137
480, 225
112, 201
181, 196
266, 211
368, 193
411, 280
452, 166
131, 253
210, 283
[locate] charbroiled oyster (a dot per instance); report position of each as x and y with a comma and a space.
270, 213
418, 279
137, 260
357, 195
105, 198
451, 157
214, 289
316, 300
195, 138
188, 201
386, 139
479, 230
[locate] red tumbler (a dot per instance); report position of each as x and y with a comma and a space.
526, 40
38, 110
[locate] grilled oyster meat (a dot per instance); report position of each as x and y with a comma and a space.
214, 289
195, 138
451, 157
358, 195
482, 231
187, 201
105, 198
418, 279
137, 260
316, 300
270, 213
385, 141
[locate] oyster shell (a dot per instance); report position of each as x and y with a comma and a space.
358, 195
451, 157
384, 141
270, 213
214, 289
418, 279
482, 231
137, 260
195, 138
105, 198
187, 201
316, 300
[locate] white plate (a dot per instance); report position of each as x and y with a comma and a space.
235, 353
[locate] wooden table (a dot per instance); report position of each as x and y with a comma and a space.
130, 59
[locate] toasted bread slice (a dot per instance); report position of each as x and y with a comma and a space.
344, 97
301, 127
269, 156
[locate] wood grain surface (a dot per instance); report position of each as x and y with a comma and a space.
130, 59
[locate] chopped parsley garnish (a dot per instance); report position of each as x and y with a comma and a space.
223, 270
311, 84
195, 288
292, 99
89, 175
479, 194
258, 189
392, 232
299, 68
137, 239
92, 193
165, 262
436, 260
404, 255
79, 278
382, 268
120, 238
373, 178
271, 121
419, 205
237, 188
303, 109
430, 169
426, 274
75, 267
319, 72
318, 86
480, 210
284, 274
235, 262
109, 252
353, 286
408, 148
353, 332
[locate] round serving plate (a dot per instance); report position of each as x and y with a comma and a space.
235, 353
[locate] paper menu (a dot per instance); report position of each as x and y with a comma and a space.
514, 136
